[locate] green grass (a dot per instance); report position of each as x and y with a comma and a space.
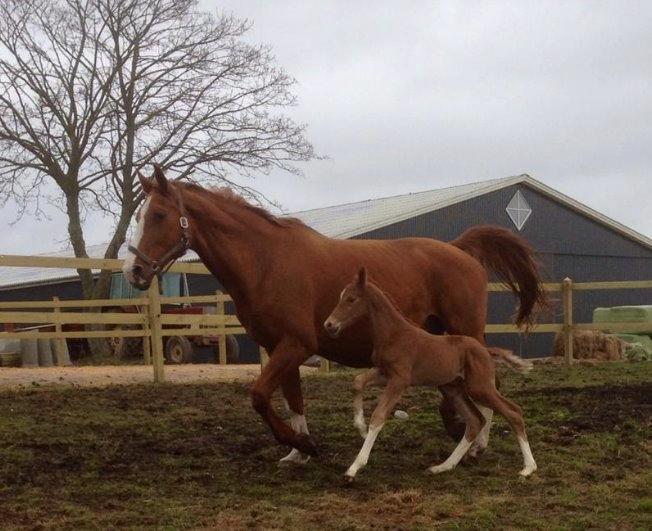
189, 456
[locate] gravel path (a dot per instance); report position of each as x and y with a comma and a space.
17, 378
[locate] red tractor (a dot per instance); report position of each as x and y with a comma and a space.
177, 349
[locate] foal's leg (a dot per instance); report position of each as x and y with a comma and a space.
360, 383
388, 399
474, 423
482, 440
294, 404
485, 393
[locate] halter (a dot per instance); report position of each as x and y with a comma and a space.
160, 267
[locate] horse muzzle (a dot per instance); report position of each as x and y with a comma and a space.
138, 277
332, 327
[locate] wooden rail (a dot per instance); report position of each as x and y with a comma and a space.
150, 321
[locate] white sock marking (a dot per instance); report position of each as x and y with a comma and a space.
482, 440
363, 455
529, 465
450, 463
299, 425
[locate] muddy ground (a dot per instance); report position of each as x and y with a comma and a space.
197, 456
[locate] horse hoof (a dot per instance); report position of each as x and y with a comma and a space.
526, 472
438, 469
306, 444
294, 458
349, 479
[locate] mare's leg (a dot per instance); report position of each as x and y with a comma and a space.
286, 358
474, 423
452, 419
360, 383
390, 396
294, 403
484, 392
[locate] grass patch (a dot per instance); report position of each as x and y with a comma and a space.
188, 456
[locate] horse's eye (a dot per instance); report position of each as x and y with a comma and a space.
350, 299
159, 215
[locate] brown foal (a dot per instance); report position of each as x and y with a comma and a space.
405, 355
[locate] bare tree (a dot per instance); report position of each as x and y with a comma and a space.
91, 91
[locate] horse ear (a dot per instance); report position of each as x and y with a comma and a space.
161, 181
145, 183
362, 277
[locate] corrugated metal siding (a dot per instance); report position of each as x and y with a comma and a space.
570, 244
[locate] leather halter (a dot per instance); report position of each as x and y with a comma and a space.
160, 266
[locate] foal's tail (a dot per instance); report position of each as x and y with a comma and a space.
500, 355
512, 259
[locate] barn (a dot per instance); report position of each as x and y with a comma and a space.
572, 240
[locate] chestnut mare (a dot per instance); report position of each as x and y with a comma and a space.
406, 355
285, 278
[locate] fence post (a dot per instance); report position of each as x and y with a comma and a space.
264, 357
58, 328
567, 296
147, 342
154, 316
221, 338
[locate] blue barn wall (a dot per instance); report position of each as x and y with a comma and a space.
568, 245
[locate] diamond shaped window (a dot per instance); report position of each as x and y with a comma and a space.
518, 210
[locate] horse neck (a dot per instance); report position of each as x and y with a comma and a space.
230, 240
385, 319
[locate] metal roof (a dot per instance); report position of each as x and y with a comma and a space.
352, 219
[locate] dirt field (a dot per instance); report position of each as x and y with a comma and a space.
196, 456
13, 378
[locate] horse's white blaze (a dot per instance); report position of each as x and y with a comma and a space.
363, 456
529, 465
135, 241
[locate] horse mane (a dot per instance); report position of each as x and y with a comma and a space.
390, 300
226, 193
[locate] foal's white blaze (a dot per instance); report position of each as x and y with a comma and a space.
135, 241
529, 465
363, 456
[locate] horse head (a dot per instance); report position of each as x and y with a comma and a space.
162, 234
352, 305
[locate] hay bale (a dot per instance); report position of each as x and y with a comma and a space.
590, 344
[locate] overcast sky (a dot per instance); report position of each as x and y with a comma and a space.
415, 95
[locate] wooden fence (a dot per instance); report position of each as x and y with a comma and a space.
149, 321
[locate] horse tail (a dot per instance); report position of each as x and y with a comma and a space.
506, 357
512, 259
